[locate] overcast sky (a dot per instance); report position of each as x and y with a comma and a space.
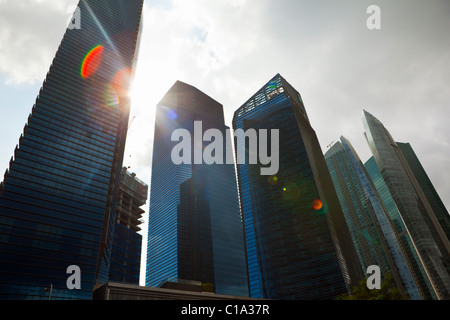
230, 48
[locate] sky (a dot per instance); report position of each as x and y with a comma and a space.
230, 48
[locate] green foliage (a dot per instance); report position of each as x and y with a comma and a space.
388, 291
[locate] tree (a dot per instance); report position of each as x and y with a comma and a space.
388, 291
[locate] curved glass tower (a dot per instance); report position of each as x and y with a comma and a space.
57, 204
429, 245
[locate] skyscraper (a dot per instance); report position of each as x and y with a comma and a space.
427, 236
297, 241
418, 269
195, 229
127, 243
372, 230
57, 206
425, 183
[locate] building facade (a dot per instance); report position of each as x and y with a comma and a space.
372, 230
195, 229
427, 237
425, 183
127, 242
297, 241
405, 238
57, 206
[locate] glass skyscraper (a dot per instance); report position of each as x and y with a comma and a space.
405, 238
425, 183
57, 205
195, 229
372, 230
427, 237
297, 241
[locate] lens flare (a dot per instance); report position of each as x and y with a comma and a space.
272, 180
121, 82
171, 114
110, 97
317, 204
91, 61
292, 191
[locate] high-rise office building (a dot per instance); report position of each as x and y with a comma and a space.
425, 183
297, 241
405, 238
372, 230
195, 229
57, 207
127, 243
427, 237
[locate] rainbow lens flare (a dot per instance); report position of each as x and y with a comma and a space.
91, 61
319, 206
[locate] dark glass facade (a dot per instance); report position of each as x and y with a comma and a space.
195, 248
57, 204
195, 229
127, 242
372, 231
428, 239
294, 249
425, 183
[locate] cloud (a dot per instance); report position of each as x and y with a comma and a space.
30, 32
324, 49
230, 48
